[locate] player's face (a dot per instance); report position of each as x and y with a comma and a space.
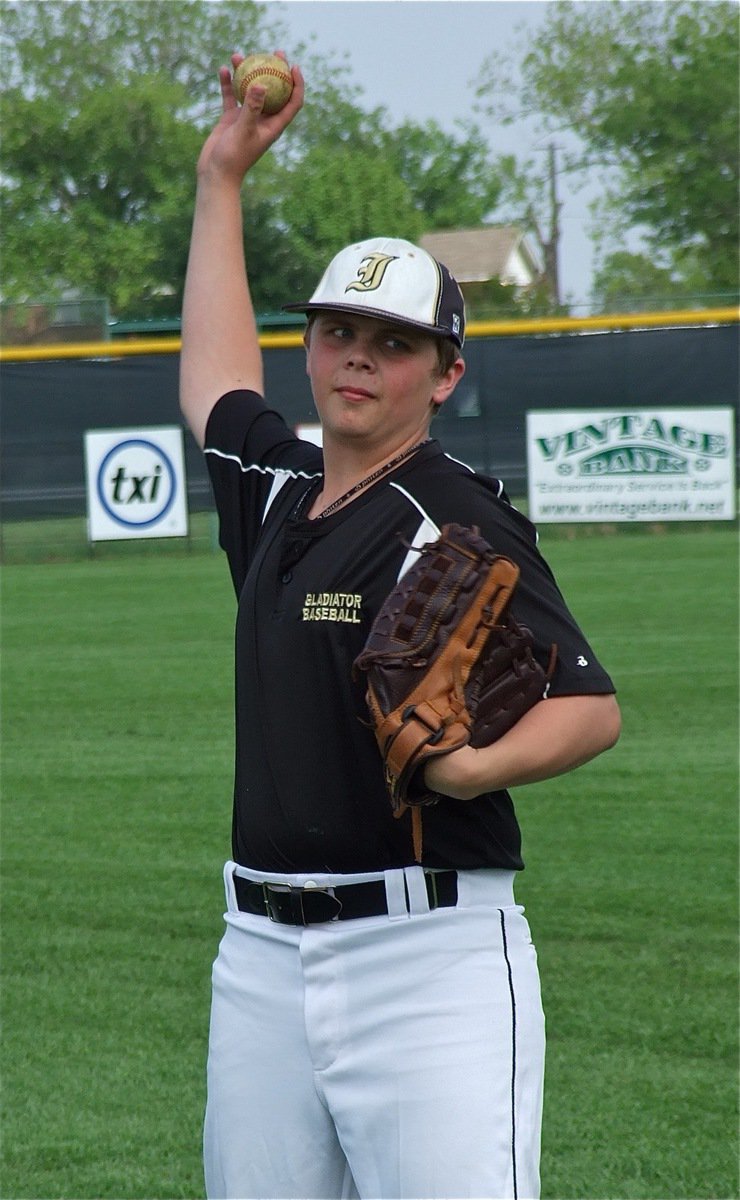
375, 381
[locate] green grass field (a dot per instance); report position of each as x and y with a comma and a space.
115, 824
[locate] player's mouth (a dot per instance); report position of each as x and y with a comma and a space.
355, 393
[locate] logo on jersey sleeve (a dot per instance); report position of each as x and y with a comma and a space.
371, 272
333, 606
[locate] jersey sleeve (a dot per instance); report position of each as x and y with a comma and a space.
251, 454
540, 605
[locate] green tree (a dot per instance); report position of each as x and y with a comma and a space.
99, 147
651, 91
93, 45
97, 164
368, 178
96, 200
332, 199
627, 280
450, 176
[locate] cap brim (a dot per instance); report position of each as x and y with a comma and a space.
362, 310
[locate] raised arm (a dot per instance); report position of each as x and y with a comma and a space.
220, 346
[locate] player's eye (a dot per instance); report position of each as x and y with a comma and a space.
397, 344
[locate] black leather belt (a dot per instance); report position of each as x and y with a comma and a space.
312, 905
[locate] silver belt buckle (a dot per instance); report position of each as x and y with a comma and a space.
266, 897
296, 895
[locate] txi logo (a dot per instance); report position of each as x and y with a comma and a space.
136, 483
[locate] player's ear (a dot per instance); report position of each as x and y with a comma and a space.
446, 383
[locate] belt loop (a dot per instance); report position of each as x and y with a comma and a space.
395, 894
229, 888
417, 891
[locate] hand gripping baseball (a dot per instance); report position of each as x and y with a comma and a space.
244, 133
446, 663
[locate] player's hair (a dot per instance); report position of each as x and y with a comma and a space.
447, 354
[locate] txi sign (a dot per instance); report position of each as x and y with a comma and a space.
135, 484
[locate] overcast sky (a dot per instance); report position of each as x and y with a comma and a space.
420, 58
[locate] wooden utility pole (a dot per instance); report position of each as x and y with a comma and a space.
551, 247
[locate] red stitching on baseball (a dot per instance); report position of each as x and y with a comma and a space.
266, 71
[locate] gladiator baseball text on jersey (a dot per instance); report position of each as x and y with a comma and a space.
332, 606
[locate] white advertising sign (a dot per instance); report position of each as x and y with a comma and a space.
310, 433
626, 465
135, 484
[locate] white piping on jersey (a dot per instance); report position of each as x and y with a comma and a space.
281, 474
427, 532
459, 462
499, 492
278, 484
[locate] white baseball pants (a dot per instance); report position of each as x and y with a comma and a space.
392, 1056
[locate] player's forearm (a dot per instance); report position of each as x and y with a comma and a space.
220, 346
554, 737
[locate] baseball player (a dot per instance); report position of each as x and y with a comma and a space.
376, 1025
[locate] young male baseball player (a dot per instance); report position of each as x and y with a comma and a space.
376, 1026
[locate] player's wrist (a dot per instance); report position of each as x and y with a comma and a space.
218, 178
218, 203
456, 775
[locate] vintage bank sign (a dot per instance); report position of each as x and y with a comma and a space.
647, 465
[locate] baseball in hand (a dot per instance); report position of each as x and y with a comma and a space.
272, 73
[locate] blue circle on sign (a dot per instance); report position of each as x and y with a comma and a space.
115, 516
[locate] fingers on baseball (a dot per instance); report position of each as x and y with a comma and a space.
295, 103
227, 94
255, 95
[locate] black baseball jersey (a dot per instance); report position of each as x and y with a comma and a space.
309, 791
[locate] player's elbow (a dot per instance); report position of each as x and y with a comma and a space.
588, 725
610, 721
194, 412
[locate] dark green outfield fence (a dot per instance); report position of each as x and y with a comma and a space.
49, 402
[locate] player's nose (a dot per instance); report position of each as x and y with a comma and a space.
360, 353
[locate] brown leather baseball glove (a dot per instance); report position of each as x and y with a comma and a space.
446, 664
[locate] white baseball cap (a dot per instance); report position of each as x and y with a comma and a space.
391, 278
